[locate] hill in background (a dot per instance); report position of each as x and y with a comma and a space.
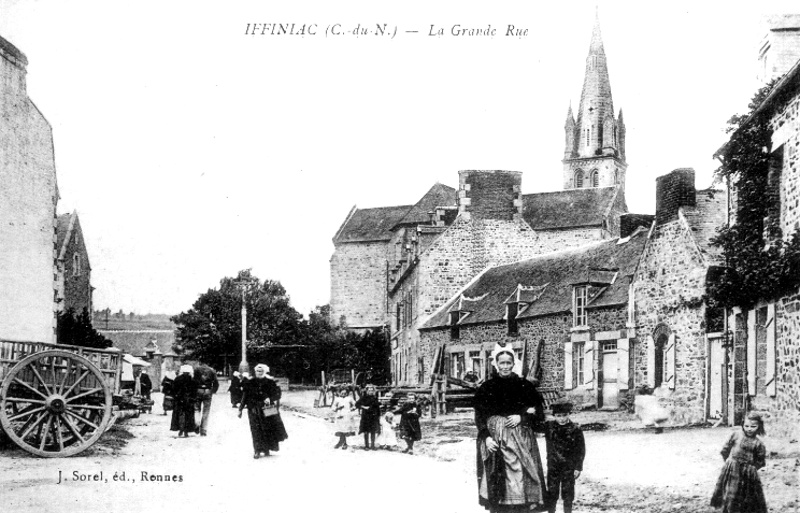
105, 320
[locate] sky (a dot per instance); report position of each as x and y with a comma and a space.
192, 149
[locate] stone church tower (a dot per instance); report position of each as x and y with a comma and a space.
595, 144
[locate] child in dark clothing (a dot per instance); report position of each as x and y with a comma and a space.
565, 452
410, 430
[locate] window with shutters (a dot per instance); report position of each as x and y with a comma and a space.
761, 351
595, 178
579, 358
661, 359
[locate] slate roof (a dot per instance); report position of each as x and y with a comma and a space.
554, 276
571, 208
62, 227
370, 224
704, 220
439, 195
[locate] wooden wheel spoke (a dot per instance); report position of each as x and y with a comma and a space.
24, 400
26, 413
19, 382
88, 392
82, 419
39, 377
74, 430
86, 406
77, 381
33, 426
53, 371
59, 437
63, 379
46, 432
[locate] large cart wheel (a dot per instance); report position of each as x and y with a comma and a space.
55, 403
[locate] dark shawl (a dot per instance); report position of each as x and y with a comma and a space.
184, 390
370, 408
266, 431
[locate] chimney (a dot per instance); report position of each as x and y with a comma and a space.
673, 191
490, 194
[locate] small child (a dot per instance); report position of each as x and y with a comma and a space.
387, 439
565, 452
739, 487
410, 430
343, 412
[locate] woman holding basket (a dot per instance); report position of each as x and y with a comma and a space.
262, 396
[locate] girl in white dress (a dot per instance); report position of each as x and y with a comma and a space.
388, 438
343, 411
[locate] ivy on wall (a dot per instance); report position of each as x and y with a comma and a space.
760, 263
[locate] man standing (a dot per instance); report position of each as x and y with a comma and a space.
207, 386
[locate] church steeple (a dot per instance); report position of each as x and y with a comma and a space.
594, 141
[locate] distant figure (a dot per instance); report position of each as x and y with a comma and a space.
370, 409
410, 430
739, 488
262, 398
184, 389
565, 452
168, 403
145, 385
207, 386
235, 389
388, 438
343, 412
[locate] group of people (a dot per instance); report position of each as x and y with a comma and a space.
378, 428
189, 392
508, 409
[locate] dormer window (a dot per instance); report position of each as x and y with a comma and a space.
455, 333
512, 309
580, 296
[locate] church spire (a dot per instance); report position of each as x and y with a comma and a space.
594, 146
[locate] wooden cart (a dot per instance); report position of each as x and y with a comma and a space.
56, 400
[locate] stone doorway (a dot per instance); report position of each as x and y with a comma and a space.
610, 385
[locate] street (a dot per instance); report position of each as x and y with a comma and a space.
625, 471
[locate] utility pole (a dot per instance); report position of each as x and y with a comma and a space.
243, 283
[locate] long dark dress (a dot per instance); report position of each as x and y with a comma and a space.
512, 477
145, 385
409, 421
267, 432
236, 390
370, 409
739, 488
184, 391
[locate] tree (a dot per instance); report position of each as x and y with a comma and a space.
77, 330
211, 330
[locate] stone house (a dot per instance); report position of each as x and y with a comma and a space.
680, 348
74, 288
28, 198
764, 369
566, 313
395, 266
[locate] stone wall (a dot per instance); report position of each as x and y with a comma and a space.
559, 240
358, 284
553, 330
668, 290
786, 131
28, 199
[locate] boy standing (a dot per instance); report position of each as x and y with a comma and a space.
565, 452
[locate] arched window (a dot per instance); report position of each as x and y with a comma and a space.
661, 339
578, 179
595, 178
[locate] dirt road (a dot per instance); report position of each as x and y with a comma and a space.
217, 473
624, 472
